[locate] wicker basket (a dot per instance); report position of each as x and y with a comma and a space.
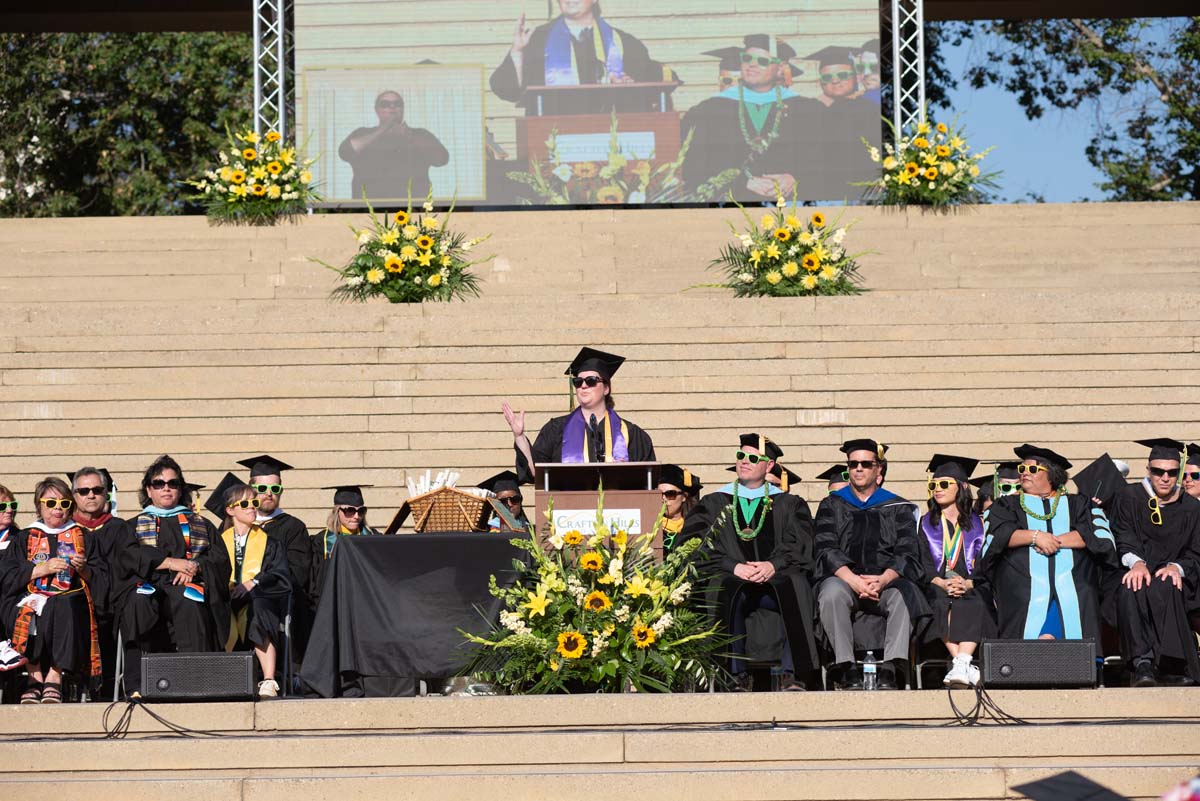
448, 509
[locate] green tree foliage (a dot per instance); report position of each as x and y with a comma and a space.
1139, 77
108, 124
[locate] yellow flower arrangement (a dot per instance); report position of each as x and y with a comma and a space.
571, 645
941, 172
256, 182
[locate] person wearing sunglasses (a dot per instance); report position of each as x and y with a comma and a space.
866, 71
1044, 552
729, 71
391, 159
868, 566
10, 658
593, 432
835, 477
259, 582
1191, 472
266, 478
952, 536
48, 604
347, 518
680, 491
171, 574
755, 558
507, 489
1157, 526
1002, 480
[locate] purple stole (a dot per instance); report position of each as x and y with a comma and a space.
575, 433
972, 543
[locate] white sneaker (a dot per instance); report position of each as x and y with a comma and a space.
10, 658
959, 675
973, 675
268, 689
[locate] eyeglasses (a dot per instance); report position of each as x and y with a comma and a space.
1160, 472
389, 104
855, 463
83, 492
671, 495
834, 77
1007, 488
1031, 469
726, 80
246, 503
1155, 512
159, 483
752, 458
512, 500
57, 503
590, 381
353, 511
273, 489
8, 506
762, 61
1192, 476
942, 484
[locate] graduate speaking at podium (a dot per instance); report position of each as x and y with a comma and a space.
592, 433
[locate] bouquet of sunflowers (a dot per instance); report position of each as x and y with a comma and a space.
595, 613
409, 257
930, 165
785, 255
260, 181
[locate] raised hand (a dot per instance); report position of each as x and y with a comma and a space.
515, 420
521, 35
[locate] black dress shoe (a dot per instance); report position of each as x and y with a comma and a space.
849, 678
1175, 680
1143, 675
887, 678
743, 683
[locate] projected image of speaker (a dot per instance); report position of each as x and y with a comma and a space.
198, 677
1039, 663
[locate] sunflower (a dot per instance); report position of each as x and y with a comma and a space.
911, 169
591, 560
818, 220
571, 644
597, 602
643, 636
573, 537
424, 242
942, 151
585, 169
921, 142
258, 190
811, 263
941, 128
249, 154
237, 176
401, 217
393, 263
273, 136
274, 168
783, 234
931, 174
610, 194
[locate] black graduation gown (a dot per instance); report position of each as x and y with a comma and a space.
293, 535
869, 541
9, 573
837, 132
548, 446
64, 626
969, 618
137, 562
1025, 582
267, 602
785, 540
1154, 620
635, 58
386, 167
104, 539
316, 577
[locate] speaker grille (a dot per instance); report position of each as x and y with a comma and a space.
198, 677
1039, 663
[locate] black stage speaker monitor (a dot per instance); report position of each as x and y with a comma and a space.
1039, 663
198, 677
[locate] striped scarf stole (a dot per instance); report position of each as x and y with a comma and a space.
194, 541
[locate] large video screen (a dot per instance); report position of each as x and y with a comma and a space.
551, 102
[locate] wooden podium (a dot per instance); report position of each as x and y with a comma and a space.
631, 497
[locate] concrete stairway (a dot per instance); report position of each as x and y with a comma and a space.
1067, 325
719, 747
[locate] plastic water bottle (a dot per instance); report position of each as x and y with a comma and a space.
870, 671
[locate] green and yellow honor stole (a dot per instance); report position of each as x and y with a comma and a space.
748, 507
952, 543
671, 529
1059, 494
247, 564
756, 114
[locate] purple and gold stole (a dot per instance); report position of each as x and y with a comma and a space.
575, 434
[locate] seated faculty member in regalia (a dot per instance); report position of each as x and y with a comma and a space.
172, 574
1157, 526
594, 432
757, 554
1044, 553
868, 560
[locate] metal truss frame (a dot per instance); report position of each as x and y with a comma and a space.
274, 96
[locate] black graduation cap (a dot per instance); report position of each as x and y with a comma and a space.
984, 484
348, 494
786, 477
731, 57
763, 444
1193, 454
762, 41
1046, 455
265, 465
501, 482
955, 467
1008, 470
194, 488
680, 477
1068, 786
216, 500
850, 446
1101, 479
1163, 448
606, 364
833, 54
104, 474
871, 44
833, 473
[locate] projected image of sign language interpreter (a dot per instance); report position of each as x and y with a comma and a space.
578, 47
386, 157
